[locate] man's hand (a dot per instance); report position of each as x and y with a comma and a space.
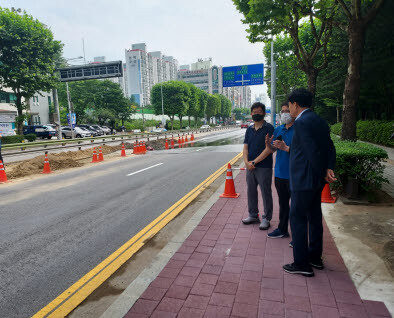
330, 176
268, 140
250, 166
280, 144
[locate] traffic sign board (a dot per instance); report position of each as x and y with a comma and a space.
74, 119
243, 75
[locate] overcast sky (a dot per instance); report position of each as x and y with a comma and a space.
185, 29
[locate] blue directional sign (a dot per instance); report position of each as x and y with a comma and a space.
243, 75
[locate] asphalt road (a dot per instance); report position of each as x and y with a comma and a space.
55, 229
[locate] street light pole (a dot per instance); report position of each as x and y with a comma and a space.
69, 111
273, 85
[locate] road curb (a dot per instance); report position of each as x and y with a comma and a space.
130, 295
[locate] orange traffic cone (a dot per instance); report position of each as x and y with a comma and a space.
182, 140
186, 139
172, 143
326, 195
3, 176
166, 145
135, 148
100, 156
192, 137
95, 159
229, 188
143, 148
123, 153
47, 168
179, 142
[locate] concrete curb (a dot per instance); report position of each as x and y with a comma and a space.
131, 294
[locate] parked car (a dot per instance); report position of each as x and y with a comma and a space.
205, 127
99, 129
136, 131
159, 130
106, 130
41, 131
244, 125
78, 132
92, 130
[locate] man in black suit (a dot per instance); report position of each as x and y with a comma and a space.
312, 160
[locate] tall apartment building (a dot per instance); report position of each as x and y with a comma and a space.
145, 69
240, 96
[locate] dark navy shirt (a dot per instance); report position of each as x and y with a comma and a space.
282, 162
255, 139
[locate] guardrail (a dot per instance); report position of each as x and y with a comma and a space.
70, 143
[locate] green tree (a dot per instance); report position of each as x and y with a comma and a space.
194, 102
359, 14
267, 18
175, 99
213, 104
27, 58
203, 96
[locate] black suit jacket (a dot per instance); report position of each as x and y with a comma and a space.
312, 152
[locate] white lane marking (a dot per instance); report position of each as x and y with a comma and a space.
200, 149
130, 174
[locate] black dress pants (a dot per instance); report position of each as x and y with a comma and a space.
306, 214
283, 188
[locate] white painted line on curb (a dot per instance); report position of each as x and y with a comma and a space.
130, 174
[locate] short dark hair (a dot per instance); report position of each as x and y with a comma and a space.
257, 105
284, 104
302, 97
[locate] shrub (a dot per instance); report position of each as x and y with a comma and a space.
360, 161
374, 131
31, 137
12, 139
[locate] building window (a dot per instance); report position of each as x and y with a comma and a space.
6, 97
49, 101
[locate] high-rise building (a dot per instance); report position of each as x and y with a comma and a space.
202, 64
144, 69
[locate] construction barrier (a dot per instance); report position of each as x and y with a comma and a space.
229, 188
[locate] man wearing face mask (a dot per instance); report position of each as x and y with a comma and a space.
259, 171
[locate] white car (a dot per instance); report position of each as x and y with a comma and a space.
136, 131
159, 130
78, 132
205, 127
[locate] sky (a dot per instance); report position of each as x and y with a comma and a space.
185, 29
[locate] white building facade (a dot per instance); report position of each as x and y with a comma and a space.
144, 69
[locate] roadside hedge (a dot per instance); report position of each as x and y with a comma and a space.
360, 161
374, 131
12, 139
31, 137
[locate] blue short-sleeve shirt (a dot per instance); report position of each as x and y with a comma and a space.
255, 139
282, 163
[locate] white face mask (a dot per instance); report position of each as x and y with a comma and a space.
286, 118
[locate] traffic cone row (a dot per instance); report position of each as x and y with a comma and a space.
47, 167
3, 176
139, 148
229, 188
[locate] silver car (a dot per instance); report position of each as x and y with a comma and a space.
78, 132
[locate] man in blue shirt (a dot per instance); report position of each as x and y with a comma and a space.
259, 171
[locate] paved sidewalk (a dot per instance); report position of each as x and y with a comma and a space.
227, 269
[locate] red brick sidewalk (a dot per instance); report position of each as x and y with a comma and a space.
227, 269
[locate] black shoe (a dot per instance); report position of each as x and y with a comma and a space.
250, 220
291, 244
277, 234
293, 269
318, 264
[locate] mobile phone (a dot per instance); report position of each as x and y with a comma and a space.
279, 138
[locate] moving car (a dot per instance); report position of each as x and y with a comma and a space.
41, 131
78, 132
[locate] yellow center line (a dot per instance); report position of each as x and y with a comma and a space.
66, 302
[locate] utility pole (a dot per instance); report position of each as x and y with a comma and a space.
273, 85
69, 111
56, 103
